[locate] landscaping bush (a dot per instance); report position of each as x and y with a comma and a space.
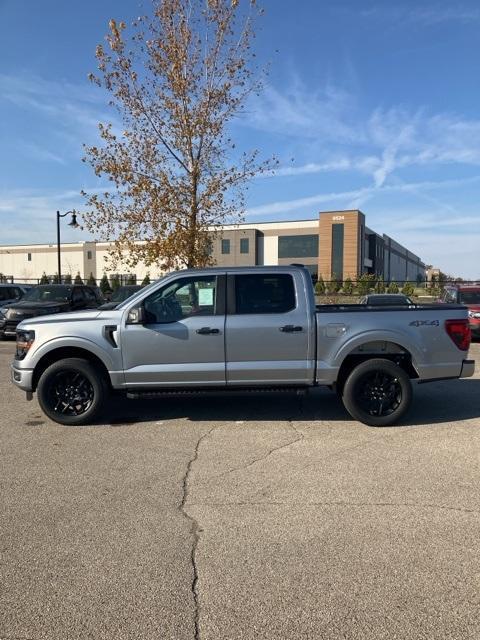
320, 286
105, 285
393, 288
146, 280
365, 283
44, 279
78, 279
408, 289
348, 286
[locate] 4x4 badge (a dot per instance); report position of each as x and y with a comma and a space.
425, 323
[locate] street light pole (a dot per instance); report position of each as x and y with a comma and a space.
73, 224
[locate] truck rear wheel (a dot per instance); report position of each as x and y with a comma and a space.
377, 392
72, 392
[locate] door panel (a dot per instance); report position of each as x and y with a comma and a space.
182, 342
273, 344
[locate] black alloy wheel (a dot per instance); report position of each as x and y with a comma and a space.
377, 392
72, 391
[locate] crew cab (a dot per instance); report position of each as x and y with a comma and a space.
234, 329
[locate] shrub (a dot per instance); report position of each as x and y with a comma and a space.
78, 278
365, 283
408, 289
91, 280
146, 280
348, 286
68, 278
115, 282
335, 284
393, 288
320, 286
44, 279
105, 285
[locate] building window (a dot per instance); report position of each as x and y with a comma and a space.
298, 246
244, 248
225, 246
89, 255
29, 257
337, 250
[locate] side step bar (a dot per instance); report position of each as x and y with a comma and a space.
158, 393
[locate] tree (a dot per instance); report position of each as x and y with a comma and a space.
78, 278
44, 279
91, 280
115, 282
177, 78
146, 280
105, 285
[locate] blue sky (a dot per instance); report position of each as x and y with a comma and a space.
372, 105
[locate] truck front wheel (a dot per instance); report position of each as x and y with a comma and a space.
377, 392
72, 392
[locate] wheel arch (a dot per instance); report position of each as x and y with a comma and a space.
60, 353
374, 349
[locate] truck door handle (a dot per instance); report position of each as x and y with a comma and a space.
290, 328
205, 331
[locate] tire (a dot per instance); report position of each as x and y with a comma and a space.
72, 392
377, 392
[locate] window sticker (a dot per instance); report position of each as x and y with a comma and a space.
205, 297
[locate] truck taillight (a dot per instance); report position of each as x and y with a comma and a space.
459, 332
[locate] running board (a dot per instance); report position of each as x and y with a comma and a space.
136, 395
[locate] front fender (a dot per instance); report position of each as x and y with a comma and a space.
111, 362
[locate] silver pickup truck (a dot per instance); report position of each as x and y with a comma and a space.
239, 328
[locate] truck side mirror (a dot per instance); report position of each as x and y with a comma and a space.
136, 315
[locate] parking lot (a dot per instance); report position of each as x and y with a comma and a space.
242, 516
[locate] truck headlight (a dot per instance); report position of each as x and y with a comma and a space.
24, 342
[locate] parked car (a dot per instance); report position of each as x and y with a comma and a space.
376, 299
469, 296
11, 293
120, 295
234, 329
45, 300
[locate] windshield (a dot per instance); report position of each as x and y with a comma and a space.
143, 289
123, 293
47, 293
469, 297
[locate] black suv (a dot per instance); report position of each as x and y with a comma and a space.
11, 293
47, 299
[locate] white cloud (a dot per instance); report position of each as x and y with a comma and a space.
347, 197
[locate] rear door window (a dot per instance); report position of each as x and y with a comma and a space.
264, 293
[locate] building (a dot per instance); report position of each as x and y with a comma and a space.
335, 244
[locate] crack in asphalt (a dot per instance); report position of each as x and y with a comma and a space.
337, 504
194, 531
300, 436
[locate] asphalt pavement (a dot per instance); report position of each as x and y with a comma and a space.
269, 516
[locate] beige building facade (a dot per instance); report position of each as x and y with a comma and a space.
334, 244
